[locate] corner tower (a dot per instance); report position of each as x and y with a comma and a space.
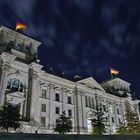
19, 45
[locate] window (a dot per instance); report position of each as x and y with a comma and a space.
57, 97
70, 113
57, 110
69, 100
113, 120
104, 108
118, 111
15, 85
111, 109
56, 122
43, 108
119, 120
43, 121
44, 93
86, 101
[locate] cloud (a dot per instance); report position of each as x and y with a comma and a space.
106, 44
69, 51
101, 68
23, 8
109, 11
85, 6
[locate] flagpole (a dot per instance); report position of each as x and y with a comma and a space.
111, 73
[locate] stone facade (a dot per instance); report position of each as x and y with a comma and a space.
43, 96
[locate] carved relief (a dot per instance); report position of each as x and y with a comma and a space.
35, 76
5, 67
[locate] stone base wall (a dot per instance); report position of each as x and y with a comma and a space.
22, 136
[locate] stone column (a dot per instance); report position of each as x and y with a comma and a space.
75, 111
109, 118
51, 106
5, 69
123, 110
34, 91
83, 125
138, 112
76, 99
116, 117
21, 109
34, 107
78, 110
64, 99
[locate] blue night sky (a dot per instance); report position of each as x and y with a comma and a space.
83, 37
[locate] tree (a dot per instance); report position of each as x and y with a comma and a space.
98, 120
122, 129
132, 124
63, 124
9, 117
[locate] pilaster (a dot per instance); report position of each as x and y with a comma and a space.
64, 99
34, 93
51, 106
79, 109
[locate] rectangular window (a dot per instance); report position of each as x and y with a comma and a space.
44, 93
56, 122
57, 110
70, 113
86, 101
57, 97
113, 120
104, 108
43, 108
118, 111
111, 109
69, 100
43, 121
119, 120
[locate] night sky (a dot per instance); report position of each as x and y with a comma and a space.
82, 37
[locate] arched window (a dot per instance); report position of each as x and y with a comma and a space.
15, 85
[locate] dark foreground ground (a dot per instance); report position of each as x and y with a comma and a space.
21, 136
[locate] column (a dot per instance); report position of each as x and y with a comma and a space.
138, 112
51, 106
116, 117
35, 106
64, 99
75, 111
82, 112
123, 111
5, 69
109, 117
79, 112
76, 99
21, 109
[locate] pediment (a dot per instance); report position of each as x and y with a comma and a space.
91, 82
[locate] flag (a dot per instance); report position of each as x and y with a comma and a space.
114, 71
20, 25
